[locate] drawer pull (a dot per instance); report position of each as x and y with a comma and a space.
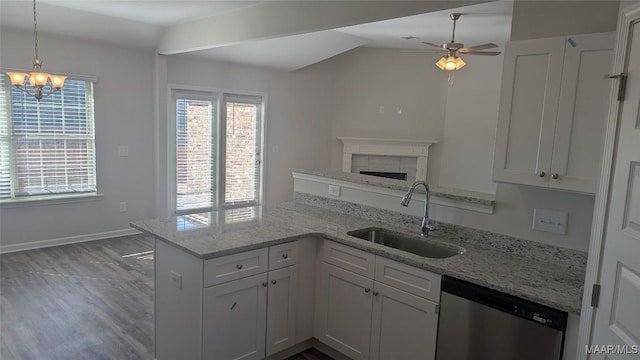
285, 256
239, 266
367, 290
265, 284
274, 282
375, 293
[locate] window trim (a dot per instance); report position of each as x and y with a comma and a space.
218, 94
62, 198
51, 200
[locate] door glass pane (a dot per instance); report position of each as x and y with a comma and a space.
242, 162
195, 154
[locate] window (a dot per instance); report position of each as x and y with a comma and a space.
47, 148
218, 146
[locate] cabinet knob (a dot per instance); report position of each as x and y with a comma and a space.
239, 266
542, 174
265, 284
274, 282
555, 176
375, 293
285, 256
367, 290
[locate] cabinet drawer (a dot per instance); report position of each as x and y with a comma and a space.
236, 266
283, 255
348, 258
408, 278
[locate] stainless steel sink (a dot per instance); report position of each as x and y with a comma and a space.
412, 244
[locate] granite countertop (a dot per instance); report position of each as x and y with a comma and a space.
550, 278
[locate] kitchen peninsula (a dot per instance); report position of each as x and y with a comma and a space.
199, 252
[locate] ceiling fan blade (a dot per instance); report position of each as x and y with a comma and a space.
432, 44
486, 53
479, 47
420, 51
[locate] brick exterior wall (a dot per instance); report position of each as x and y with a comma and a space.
193, 162
194, 165
240, 162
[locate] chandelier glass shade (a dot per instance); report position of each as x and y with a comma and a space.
450, 63
37, 83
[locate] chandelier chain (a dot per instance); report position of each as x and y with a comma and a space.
35, 27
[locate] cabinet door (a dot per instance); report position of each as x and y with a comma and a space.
234, 323
527, 114
582, 112
281, 309
343, 314
404, 325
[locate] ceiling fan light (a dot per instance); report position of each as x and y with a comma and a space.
450, 63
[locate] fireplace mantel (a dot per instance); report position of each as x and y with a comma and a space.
387, 147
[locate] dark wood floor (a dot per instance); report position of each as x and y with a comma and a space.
81, 301
311, 354
90, 300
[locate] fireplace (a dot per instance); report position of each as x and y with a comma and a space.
388, 175
386, 157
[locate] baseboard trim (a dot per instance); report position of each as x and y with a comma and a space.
4, 249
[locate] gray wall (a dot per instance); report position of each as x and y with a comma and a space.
297, 119
123, 115
462, 116
538, 19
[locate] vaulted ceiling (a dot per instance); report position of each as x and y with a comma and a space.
285, 35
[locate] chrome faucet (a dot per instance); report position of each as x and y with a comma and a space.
426, 225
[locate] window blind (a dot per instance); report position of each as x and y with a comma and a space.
5, 160
242, 149
50, 144
195, 153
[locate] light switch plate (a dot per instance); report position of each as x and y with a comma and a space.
550, 221
123, 151
334, 190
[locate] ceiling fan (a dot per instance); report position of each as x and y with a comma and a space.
451, 61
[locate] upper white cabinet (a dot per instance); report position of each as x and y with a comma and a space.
553, 108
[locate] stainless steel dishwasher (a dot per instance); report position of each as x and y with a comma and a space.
477, 323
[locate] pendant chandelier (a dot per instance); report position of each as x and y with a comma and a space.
37, 83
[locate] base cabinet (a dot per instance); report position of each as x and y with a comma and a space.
344, 311
365, 318
403, 325
240, 306
281, 309
234, 319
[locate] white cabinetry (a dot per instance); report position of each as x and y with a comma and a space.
390, 315
241, 306
344, 317
281, 309
553, 107
235, 318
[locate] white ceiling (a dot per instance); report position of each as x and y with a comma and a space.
488, 22
141, 24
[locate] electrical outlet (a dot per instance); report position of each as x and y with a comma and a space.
176, 280
550, 221
123, 206
334, 190
381, 109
